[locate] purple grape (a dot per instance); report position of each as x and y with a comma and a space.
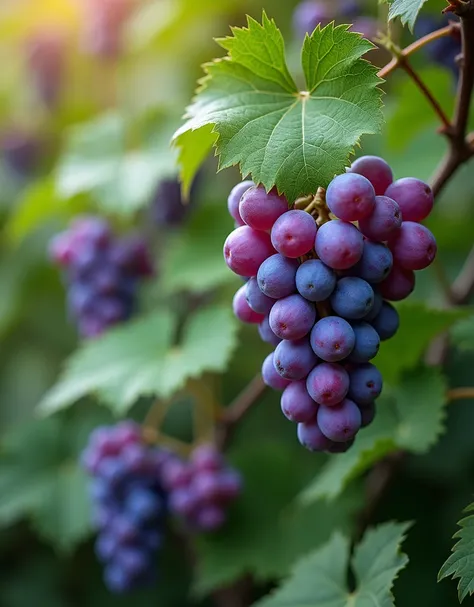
413, 246
294, 359
206, 457
332, 339
328, 384
366, 383
257, 300
105, 547
414, 197
259, 209
353, 298
386, 322
384, 222
296, 404
350, 197
341, 422
242, 309
271, 377
234, 199
246, 249
266, 333
293, 233
367, 343
339, 244
367, 414
315, 281
308, 15
376, 170
378, 301
398, 285
292, 317
277, 276
311, 437
375, 263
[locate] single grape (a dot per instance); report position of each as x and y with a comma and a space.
350, 197
328, 384
242, 309
332, 338
266, 333
294, 359
293, 233
105, 547
375, 263
386, 322
271, 377
384, 222
277, 276
398, 285
296, 404
206, 457
367, 413
352, 298
378, 301
292, 317
367, 343
234, 199
205, 485
413, 247
257, 300
315, 281
142, 504
260, 209
340, 422
365, 383
376, 170
246, 249
311, 437
414, 197
339, 244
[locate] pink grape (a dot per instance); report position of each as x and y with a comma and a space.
383, 222
296, 404
398, 285
328, 384
271, 377
234, 199
339, 244
260, 209
293, 233
376, 170
246, 249
292, 317
350, 197
414, 197
242, 309
413, 246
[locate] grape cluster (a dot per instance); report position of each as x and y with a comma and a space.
321, 295
202, 488
102, 273
310, 13
129, 504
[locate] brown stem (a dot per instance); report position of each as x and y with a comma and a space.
416, 46
460, 394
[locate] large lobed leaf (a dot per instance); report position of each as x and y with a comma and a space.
320, 579
407, 10
409, 417
461, 562
139, 359
296, 140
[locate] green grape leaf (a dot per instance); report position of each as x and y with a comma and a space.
296, 140
138, 359
418, 326
320, 579
410, 416
97, 160
461, 562
252, 541
407, 10
463, 334
191, 261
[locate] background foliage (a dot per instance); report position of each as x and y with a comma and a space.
104, 148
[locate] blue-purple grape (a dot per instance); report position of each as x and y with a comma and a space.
367, 342
341, 422
234, 200
350, 197
332, 339
352, 298
294, 359
276, 276
375, 263
270, 375
365, 383
339, 244
296, 404
266, 333
311, 437
315, 281
257, 300
383, 222
292, 317
387, 321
